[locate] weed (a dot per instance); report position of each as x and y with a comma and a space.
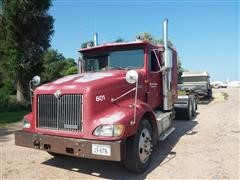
181, 93
225, 95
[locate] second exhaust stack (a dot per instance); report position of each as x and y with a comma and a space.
95, 39
167, 77
165, 42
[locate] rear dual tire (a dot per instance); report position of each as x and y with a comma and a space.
190, 112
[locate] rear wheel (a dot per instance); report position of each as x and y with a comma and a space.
194, 105
139, 148
189, 112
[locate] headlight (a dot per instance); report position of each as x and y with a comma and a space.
109, 130
26, 124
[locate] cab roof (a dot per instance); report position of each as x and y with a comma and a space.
132, 44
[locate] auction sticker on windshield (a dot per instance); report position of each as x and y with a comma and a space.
100, 149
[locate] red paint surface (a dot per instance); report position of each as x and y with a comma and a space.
112, 84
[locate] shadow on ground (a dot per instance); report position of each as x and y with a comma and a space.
205, 101
162, 154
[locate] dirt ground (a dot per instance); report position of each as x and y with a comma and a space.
205, 148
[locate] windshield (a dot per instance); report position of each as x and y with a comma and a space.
195, 79
129, 59
96, 63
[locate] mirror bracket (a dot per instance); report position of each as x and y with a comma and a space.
131, 77
35, 82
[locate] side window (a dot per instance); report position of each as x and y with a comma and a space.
152, 62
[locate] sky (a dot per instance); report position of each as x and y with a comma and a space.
205, 33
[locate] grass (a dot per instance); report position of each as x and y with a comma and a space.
181, 93
225, 95
11, 116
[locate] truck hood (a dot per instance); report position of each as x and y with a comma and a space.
82, 83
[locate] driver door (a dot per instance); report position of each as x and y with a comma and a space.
154, 80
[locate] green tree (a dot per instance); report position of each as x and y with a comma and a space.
148, 36
70, 67
55, 66
26, 29
52, 65
119, 39
85, 44
1, 34
180, 70
160, 41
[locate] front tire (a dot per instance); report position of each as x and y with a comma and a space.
139, 148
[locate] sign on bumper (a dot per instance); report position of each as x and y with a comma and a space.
99, 149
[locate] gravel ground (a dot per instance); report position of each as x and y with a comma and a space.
205, 148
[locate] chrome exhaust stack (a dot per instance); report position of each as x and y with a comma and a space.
95, 39
165, 41
167, 75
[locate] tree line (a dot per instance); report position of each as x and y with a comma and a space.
26, 29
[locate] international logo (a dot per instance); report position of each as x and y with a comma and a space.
57, 94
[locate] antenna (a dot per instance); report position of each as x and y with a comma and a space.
95, 35
95, 25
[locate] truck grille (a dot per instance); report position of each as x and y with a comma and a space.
63, 113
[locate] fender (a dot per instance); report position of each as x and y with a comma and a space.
143, 111
30, 119
123, 113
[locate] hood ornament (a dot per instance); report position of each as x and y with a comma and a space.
57, 94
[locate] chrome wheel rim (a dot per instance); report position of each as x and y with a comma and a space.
145, 146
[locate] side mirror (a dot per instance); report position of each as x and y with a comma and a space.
36, 80
131, 76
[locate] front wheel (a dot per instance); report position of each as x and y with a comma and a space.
139, 148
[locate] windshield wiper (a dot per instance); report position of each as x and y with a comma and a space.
123, 68
118, 67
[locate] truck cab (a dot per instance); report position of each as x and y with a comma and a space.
117, 108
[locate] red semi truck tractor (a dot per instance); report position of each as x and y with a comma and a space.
117, 108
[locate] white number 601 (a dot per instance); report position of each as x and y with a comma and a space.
100, 98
